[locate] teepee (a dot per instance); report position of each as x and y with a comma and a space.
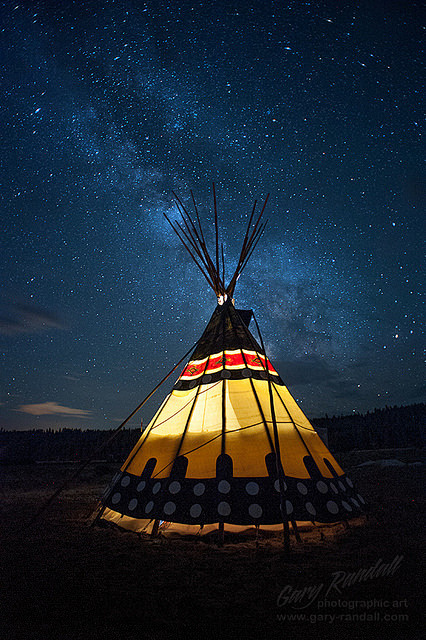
229, 448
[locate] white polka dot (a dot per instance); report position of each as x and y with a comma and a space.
349, 482
334, 488
133, 504
288, 507
360, 498
141, 486
199, 489
175, 487
195, 510
255, 510
277, 485
223, 508
301, 488
252, 488
355, 502
342, 486
125, 481
310, 508
332, 507
169, 508
322, 487
156, 488
224, 486
346, 505
116, 498
149, 507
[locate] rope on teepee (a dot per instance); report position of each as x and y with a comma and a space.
280, 471
107, 442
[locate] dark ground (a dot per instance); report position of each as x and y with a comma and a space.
62, 579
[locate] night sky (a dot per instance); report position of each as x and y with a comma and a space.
108, 107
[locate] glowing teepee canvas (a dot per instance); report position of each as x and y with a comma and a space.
229, 446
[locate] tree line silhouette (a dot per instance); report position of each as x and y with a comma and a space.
388, 428
392, 427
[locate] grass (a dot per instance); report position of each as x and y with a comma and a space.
63, 579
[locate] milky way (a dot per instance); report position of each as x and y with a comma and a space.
108, 107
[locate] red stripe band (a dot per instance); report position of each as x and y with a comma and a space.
233, 360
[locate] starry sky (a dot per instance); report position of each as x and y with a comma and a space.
108, 107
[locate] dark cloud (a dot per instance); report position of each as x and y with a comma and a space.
18, 318
306, 370
302, 316
343, 389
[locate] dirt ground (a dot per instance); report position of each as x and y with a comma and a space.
64, 579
